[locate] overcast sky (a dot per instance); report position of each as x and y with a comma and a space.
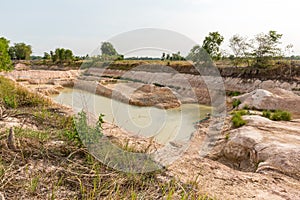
82, 25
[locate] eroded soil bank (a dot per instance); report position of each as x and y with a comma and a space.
257, 161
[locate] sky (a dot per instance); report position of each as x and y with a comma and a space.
81, 25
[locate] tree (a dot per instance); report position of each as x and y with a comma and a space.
5, 62
240, 48
163, 57
198, 55
46, 56
68, 55
266, 46
20, 51
62, 55
108, 49
212, 44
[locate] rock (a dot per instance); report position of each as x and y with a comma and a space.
21, 67
273, 99
11, 140
263, 145
2, 196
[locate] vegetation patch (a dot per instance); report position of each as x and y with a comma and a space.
233, 93
14, 96
277, 115
236, 103
51, 161
237, 120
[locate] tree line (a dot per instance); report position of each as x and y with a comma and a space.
256, 51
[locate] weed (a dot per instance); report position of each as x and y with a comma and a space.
281, 116
278, 115
227, 136
34, 184
10, 101
267, 114
236, 103
233, 93
238, 121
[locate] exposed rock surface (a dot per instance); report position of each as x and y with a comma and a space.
263, 145
138, 94
272, 99
193, 88
262, 158
44, 81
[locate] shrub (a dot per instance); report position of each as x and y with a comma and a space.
88, 134
233, 93
278, 115
267, 114
10, 101
236, 103
237, 120
246, 107
281, 116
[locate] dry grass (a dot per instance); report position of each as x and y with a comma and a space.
50, 162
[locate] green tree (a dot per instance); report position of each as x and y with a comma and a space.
212, 44
163, 57
198, 55
20, 51
240, 48
46, 56
108, 49
62, 55
266, 47
68, 55
5, 62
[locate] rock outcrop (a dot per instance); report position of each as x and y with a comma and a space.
44, 81
272, 99
262, 146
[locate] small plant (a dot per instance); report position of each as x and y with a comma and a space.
267, 114
88, 134
237, 120
10, 101
246, 107
34, 184
278, 115
227, 136
281, 116
236, 103
233, 93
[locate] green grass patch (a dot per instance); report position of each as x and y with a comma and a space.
236, 103
14, 96
32, 134
277, 115
237, 120
233, 93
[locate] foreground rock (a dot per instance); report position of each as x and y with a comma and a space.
261, 146
272, 99
261, 161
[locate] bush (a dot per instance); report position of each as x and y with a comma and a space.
267, 114
281, 116
233, 93
237, 120
236, 103
278, 115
